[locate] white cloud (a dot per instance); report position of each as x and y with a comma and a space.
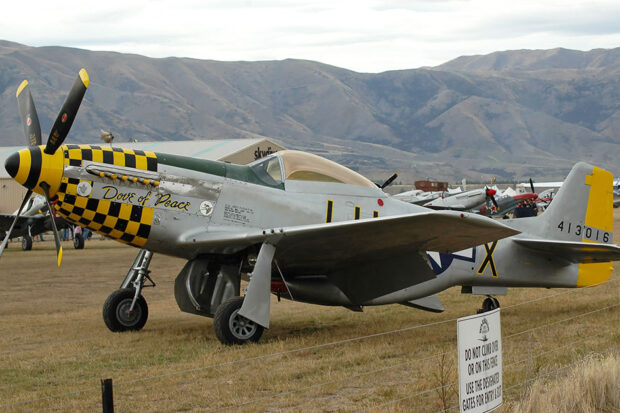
362, 35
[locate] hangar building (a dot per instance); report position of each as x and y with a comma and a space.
239, 151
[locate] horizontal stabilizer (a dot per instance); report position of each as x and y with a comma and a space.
430, 303
577, 252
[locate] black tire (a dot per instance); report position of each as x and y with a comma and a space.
231, 328
115, 310
489, 304
78, 242
26, 243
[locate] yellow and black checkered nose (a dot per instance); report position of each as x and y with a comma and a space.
31, 166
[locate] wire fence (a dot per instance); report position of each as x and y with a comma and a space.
351, 377
399, 365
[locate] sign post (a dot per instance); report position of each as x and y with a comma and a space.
480, 362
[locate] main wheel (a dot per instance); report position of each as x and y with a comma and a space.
231, 328
116, 313
78, 242
26, 243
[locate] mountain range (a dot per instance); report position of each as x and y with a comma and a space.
510, 115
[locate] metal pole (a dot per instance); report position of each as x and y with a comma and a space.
107, 396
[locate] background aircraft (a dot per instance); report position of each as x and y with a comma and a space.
304, 228
505, 204
32, 221
463, 201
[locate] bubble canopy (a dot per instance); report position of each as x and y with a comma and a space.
304, 166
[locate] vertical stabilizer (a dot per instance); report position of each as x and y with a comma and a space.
582, 211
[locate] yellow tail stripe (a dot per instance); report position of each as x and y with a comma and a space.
599, 215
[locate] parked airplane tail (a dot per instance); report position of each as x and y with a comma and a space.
580, 215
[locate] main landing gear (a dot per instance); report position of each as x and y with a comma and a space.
490, 303
78, 241
126, 309
26, 242
231, 328
206, 286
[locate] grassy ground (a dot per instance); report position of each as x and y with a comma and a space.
589, 386
54, 346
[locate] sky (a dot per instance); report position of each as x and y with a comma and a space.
361, 35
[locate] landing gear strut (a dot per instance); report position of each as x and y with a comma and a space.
126, 309
490, 303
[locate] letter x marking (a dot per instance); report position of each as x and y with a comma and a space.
489, 259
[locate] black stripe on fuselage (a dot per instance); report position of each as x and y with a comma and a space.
35, 167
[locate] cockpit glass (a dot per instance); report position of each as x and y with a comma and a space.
303, 166
269, 170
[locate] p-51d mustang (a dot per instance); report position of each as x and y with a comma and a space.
306, 229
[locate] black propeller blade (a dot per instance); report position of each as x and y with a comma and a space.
491, 196
389, 181
67, 113
19, 211
28, 113
46, 188
532, 186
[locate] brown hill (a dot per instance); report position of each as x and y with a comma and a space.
508, 114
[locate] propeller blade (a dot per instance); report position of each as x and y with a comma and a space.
67, 113
19, 211
532, 186
389, 181
28, 113
46, 188
491, 194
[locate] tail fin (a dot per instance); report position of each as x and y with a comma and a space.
582, 211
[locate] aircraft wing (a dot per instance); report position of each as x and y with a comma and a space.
333, 243
578, 252
364, 259
37, 224
455, 207
5, 221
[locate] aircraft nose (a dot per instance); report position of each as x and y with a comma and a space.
12, 164
31, 166
25, 166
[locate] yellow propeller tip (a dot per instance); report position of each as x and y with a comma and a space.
21, 87
60, 256
84, 77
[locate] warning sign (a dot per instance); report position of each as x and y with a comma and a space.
480, 362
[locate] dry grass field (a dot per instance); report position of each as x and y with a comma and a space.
55, 348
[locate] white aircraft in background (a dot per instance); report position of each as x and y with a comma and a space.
464, 200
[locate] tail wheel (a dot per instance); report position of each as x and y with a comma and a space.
116, 314
232, 328
489, 304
